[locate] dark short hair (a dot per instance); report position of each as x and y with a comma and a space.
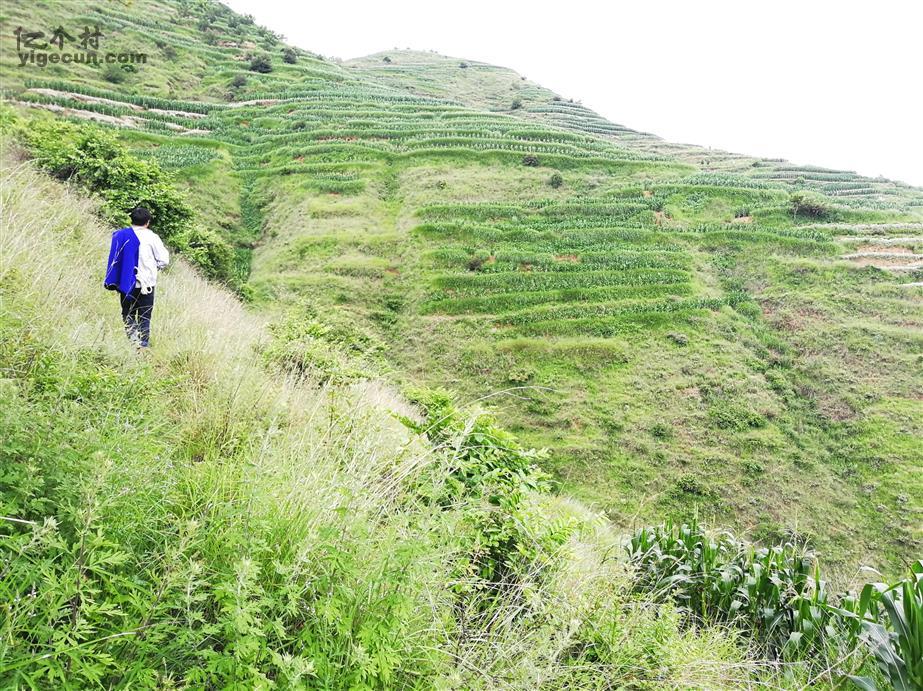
140, 216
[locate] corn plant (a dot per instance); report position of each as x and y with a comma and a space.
890, 621
776, 594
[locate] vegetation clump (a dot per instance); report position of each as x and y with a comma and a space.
776, 594
94, 159
261, 63
810, 204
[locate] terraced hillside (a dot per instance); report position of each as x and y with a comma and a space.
685, 330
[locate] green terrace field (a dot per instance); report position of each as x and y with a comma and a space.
686, 330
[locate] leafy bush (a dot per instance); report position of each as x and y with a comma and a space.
530, 160
114, 74
289, 55
556, 180
516, 104
239, 81
811, 204
207, 250
261, 63
93, 158
489, 464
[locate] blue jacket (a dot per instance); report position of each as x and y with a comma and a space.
123, 261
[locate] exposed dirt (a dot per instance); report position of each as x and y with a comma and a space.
888, 262
878, 249
118, 121
743, 219
572, 258
83, 98
256, 102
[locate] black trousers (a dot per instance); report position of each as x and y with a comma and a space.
137, 308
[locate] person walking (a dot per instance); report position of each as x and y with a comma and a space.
136, 254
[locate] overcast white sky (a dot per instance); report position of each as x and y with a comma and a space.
824, 82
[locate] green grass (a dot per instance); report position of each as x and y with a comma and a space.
661, 321
191, 518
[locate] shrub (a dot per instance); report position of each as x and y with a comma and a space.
530, 160
386, 60
96, 160
289, 55
239, 81
661, 430
491, 465
261, 64
556, 180
207, 250
475, 263
516, 104
463, 65
807, 203
690, 484
114, 74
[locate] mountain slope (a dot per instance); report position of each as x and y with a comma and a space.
685, 330
193, 518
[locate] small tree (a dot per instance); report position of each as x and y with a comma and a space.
289, 55
239, 82
386, 59
261, 63
807, 203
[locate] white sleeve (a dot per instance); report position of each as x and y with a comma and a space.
161, 255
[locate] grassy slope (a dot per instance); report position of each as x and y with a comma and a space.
243, 529
830, 360
795, 411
